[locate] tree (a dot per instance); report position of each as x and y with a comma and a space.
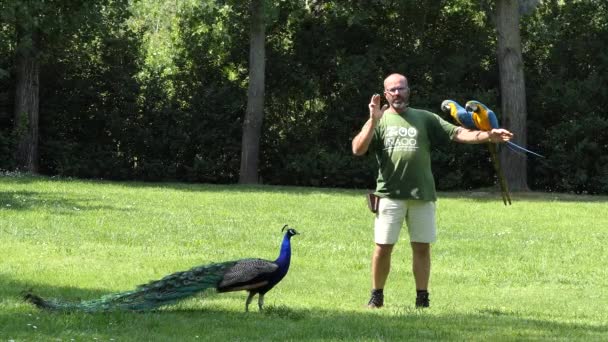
38, 25
27, 85
254, 115
512, 86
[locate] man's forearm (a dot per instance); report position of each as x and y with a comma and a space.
363, 139
468, 136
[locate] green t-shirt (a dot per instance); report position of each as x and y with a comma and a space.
402, 144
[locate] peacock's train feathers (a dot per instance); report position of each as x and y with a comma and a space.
257, 276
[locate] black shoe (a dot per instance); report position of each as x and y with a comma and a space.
377, 299
422, 299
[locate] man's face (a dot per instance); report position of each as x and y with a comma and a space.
397, 92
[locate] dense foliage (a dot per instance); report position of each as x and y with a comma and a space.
151, 90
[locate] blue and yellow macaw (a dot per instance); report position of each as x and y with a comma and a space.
485, 119
477, 116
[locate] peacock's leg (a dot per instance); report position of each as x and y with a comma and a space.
261, 301
248, 301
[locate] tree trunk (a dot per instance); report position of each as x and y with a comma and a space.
512, 90
254, 116
27, 96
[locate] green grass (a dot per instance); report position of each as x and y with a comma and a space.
533, 271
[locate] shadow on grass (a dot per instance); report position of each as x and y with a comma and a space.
249, 188
27, 200
189, 187
482, 195
208, 321
485, 195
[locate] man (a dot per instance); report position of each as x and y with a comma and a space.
401, 139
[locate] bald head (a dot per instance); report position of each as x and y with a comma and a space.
397, 92
394, 78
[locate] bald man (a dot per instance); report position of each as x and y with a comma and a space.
401, 138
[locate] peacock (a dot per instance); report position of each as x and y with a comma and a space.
476, 115
257, 276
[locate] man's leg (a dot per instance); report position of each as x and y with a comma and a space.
421, 266
387, 226
381, 265
421, 224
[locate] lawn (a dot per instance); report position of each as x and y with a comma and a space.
535, 270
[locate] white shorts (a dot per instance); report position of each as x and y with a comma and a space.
419, 217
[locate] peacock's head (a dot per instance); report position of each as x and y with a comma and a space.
290, 231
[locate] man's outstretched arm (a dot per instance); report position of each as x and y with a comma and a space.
468, 136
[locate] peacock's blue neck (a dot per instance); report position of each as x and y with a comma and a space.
285, 254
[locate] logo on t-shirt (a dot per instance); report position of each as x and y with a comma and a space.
401, 139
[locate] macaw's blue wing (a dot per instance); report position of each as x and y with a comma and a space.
458, 113
483, 117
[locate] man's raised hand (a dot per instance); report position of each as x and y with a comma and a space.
375, 112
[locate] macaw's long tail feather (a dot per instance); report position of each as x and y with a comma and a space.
148, 296
504, 189
519, 149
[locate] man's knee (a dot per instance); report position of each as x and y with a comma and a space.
383, 250
421, 249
